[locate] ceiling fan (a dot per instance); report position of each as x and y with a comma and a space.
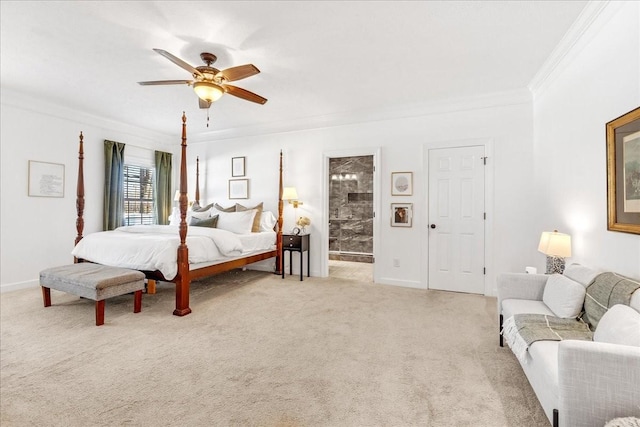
210, 83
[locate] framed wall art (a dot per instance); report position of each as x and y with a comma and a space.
238, 189
46, 179
401, 183
401, 214
237, 166
623, 173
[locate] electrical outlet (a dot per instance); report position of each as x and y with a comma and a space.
396, 262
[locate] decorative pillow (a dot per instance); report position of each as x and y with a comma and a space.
236, 222
563, 296
619, 325
211, 222
256, 220
197, 208
267, 221
221, 209
580, 273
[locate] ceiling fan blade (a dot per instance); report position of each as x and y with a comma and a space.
179, 62
240, 72
203, 104
165, 82
244, 94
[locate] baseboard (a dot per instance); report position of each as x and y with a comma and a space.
18, 286
403, 283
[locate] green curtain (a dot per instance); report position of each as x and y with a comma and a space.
163, 187
113, 185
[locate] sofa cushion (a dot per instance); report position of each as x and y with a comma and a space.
619, 325
564, 296
511, 307
580, 273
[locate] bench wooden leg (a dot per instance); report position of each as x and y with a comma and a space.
137, 302
46, 296
99, 313
151, 286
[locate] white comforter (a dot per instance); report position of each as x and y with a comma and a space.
155, 247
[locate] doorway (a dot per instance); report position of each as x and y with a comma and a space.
457, 214
350, 200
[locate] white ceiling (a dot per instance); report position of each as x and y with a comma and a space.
316, 58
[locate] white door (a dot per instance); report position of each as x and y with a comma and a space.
456, 219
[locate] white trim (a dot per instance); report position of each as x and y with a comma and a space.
324, 244
402, 283
496, 99
488, 143
19, 286
574, 40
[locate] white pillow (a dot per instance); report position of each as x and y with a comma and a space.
236, 222
267, 221
564, 296
619, 325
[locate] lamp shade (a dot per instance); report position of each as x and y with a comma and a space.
289, 193
208, 91
553, 243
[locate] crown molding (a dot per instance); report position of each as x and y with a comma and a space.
589, 22
498, 99
27, 102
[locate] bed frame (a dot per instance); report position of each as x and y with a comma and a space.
185, 275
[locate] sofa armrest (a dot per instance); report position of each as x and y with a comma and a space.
520, 286
597, 382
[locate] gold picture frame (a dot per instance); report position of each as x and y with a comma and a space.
623, 173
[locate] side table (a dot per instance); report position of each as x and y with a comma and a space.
296, 243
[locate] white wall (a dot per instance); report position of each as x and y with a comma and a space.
597, 82
401, 142
36, 232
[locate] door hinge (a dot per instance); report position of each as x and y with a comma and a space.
484, 270
484, 160
374, 214
485, 215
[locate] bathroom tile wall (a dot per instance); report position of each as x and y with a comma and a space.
351, 204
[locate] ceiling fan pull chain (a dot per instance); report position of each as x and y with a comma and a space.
207, 117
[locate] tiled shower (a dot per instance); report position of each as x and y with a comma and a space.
351, 208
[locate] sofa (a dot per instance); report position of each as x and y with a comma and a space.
579, 382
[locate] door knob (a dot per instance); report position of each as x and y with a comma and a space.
433, 226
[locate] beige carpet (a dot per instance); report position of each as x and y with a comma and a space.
261, 351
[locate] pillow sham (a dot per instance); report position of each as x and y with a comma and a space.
267, 221
197, 208
221, 209
236, 222
211, 222
564, 296
255, 228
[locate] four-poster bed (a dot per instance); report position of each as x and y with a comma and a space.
185, 271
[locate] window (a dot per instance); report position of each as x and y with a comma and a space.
139, 195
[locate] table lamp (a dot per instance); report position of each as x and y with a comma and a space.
556, 246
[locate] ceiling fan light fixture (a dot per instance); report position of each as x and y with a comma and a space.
208, 91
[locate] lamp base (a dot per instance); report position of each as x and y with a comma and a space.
555, 264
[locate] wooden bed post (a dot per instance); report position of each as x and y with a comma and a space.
198, 180
182, 279
80, 194
279, 265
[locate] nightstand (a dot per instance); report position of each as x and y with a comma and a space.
296, 243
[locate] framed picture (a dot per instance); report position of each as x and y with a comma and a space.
237, 166
401, 183
238, 189
46, 179
401, 214
623, 173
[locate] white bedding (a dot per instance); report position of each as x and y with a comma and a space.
155, 247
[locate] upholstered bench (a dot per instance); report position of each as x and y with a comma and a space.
93, 281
